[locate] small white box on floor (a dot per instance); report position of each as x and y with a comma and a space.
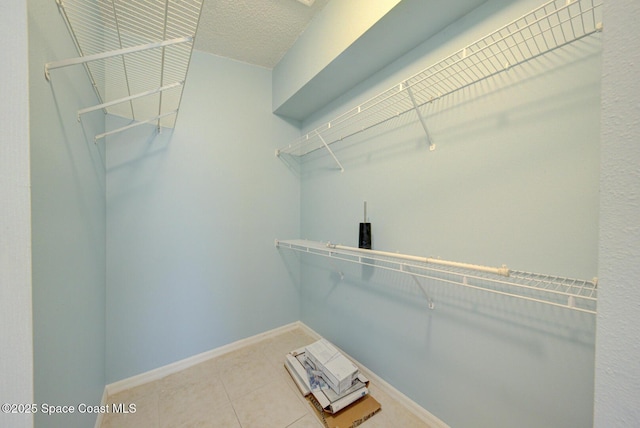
338, 371
311, 383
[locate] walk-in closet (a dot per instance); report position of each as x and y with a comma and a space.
200, 192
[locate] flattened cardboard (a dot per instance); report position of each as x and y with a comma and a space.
348, 417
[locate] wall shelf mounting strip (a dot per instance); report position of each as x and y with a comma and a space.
550, 26
575, 294
136, 54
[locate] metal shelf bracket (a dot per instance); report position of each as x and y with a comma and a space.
331, 152
423, 121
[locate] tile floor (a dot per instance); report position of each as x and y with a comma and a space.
246, 388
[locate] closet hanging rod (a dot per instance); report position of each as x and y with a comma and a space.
129, 98
133, 125
568, 293
118, 52
503, 271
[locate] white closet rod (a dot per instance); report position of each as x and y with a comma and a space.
504, 271
133, 125
129, 98
104, 55
576, 294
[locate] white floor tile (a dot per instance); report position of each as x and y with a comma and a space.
247, 376
192, 405
146, 414
308, 421
271, 406
246, 388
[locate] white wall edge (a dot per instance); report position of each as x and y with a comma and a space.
161, 372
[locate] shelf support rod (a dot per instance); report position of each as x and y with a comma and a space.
133, 125
110, 54
129, 98
422, 119
330, 151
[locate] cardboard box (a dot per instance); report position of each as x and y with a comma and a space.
308, 382
338, 371
348, 417
333, 403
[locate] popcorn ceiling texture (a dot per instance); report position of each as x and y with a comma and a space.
257, 32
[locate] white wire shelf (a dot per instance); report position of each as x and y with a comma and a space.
136, 54
575, 294
552, 25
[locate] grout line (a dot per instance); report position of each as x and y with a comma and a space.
235, 413
301, 417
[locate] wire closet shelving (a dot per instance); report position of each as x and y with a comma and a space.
575, 294
136, 54
550, 26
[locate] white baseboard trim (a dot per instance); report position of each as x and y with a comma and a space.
160, 372
419, 411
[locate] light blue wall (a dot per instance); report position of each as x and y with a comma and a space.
191, 222
334, 52
513, 180
68, 227
333, 30
617, 370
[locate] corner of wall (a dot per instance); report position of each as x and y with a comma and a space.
16, 329
617, 366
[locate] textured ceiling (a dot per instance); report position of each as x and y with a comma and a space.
257, 32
